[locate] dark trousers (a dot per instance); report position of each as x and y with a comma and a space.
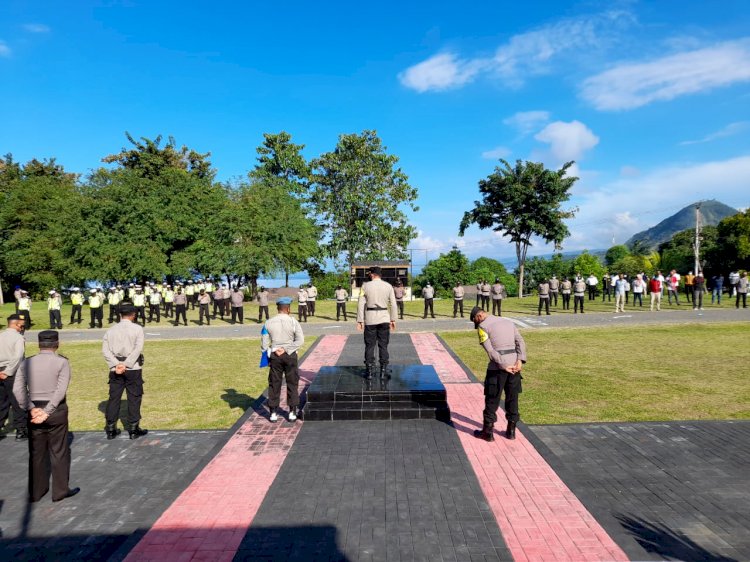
302, 312
153, 309
544, 303
606, 294
592, 292
180, 311
743, 297
577, 301
192, 299
486, 302
26, 315
238, 312
261, 311
495, 383
75, 313
49, 448
203, 311
114, 313
497, 307
8, 402
675, 294
553, 296
479, 299
566, 301
131, 381
400, 306
429, 304
140, 312
168, 309
688, 292
97, 317
697, 298
458, 305
638, 297
218, 307
55, 320
283, 366
311, 307
379, 334
341, 309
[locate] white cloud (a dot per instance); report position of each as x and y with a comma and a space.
496, 153
36, 28
567, 141
629, 172
527, 121
527, 54
728, 131
427, 243
4, 49
625, 219
440, 72
632, 85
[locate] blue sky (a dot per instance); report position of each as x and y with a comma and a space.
651, 99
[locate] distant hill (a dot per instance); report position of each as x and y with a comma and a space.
711, 213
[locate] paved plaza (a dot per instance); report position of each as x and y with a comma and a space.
392, 490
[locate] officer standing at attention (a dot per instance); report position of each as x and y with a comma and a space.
237, 299
579, 289
543, 297
123, 351
497, 297
302, 303
190, 294
398, 290
12, 350
96, 304
24, 307
40, 388
376, 315
506, 351
428, 293
554, 289
479, 292
262, 298
168, 297
486, 289
54, 304
114, 299
76, 299
565, 288
139, 302
341, 297
180, 303
204, 300
281, 338
312, 296
458, 299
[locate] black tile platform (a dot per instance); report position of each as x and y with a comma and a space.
343, 393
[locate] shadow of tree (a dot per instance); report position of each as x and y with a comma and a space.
661, 540
236, 400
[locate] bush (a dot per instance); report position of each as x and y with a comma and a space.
326, 283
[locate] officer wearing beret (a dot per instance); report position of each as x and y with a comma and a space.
281, 338
123, 351
40, 388
12, 353
506, 351
376, 315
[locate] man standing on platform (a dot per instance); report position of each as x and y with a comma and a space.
376, 315
281, 338
54, 304
12, 350
399, 291
123, 351
312, 297
506, 351
497, 297
458, 299
40, 389
428, 293
262, 298
341, 298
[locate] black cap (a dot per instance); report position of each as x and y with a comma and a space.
49, 336
474, 311
375, 270
127, 309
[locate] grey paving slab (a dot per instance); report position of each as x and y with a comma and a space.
674, 491
390, 490
125, 486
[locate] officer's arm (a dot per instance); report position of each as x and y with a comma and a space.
20, 391
392, 305
299, 336
520, 345
63, 380
265, 339
132, 359
109, 357
19, 350
486, 342
361, 308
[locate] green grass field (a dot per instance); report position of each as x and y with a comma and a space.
676, 372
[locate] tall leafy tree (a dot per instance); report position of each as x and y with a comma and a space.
616, 253
732, 251
489, 269
679, 254
359, 195
523, 201
279, 157
444, 272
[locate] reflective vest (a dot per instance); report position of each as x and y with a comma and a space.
154, 298
121, 294
53, 303
76, 299
190, 290
113, 298
131, 292
24, 303
139, 300
168, 296
95, 301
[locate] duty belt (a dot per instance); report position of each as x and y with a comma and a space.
505, 351
376, 308
43, 403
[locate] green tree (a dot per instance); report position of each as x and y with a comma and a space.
279, 157
444, 272
522, 201
358, 193
732, 250
489, 270
616, 253
632, 265
679, 254
587, 264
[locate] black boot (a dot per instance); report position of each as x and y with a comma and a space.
510, 432
369, 369
385, 373
485, 433
21, 434
112, 431
135, 431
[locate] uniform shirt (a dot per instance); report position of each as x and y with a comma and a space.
124, 339
190, 290
428, 292
262, 298
579, 288
378, 295
399, 293
95, 301
180, 299
543, 290
479, 288
458, 293
302, 297
169, 295
497, 291
742, 285
43, 377
238, 299
485, 289
500, 334
24, 303
113, 298
139, 300
205, 298
620, 286
12, 349
312, 293
53, 303
218, 295
76, 299
282, 331
592, 281
154, 298
209, 287
554, 285
341, 295
226, 293
566, 286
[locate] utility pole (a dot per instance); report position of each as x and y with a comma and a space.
697, 242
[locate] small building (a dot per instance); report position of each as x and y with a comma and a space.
391, 271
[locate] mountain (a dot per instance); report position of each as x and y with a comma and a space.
711, 213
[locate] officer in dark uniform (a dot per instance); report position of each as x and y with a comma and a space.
40, 388
507, 352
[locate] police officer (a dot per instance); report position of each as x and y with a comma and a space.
458, 299
554, 289
190, 294
180, 303
497, 297
237, 299
312, 296
399, 292
54, 304
479, 292
24, 307
262, 298
123, 351
543, 297
506, 351
114, 299
40, 389
579, 290
281, 337
566, 288
302, 303
376, 315
486, 290
341, 297
76, 299
139, 302
96, 309
204, 300
428, 293
168, 296
12, 350
218, 296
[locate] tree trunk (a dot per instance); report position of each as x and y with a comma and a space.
286, 278
520, 280
2, 301
522, 247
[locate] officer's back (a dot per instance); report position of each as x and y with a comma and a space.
377, 305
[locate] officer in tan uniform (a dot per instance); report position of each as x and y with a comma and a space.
341, 298
458, 299
506, 351
428, 293
554, 289
312, 297
497, 297
398, 290
565, 288
262, 299
479, 292
376, 315
486, 290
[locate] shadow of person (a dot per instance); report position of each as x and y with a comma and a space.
236, 400
122, 417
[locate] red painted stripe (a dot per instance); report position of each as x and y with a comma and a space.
539, 516
210, 518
